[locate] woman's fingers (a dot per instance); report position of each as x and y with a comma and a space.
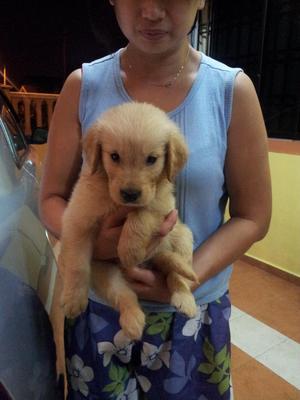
109, 234
165, 228
168, 223
145, 276
111, 228
148, 284
116, 219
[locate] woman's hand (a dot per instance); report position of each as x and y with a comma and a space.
166, 227
108, 237
106, 244
148, 284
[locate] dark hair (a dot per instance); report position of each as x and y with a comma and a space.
195, 21
104, 25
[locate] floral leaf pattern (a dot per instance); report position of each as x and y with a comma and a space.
79, 375
217, 367
121, 347
158, 324
193, 325
118, 376
176, 353
131, 392
144, 382
154, 357
178, 366
226, 313
97, 323
81, 333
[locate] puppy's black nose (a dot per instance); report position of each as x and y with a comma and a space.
130, 195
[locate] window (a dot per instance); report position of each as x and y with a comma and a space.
12, 131
262, 37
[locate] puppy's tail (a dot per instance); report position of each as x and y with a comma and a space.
169, 261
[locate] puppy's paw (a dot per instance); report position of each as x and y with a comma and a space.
132, 322
74, 301
185, 303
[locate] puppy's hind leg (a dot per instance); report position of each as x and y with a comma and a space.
169, 261
181, 295
109, 283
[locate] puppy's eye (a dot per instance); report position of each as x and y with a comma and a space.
115, 157
151, 160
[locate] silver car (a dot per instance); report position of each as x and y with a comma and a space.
27, 272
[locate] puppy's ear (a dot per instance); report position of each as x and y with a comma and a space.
176, 154
92, 150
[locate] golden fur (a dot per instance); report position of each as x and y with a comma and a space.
132, 154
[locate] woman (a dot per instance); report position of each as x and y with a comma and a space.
219, 114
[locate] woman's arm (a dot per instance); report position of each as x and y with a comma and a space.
63, 159
248, 184
249, 188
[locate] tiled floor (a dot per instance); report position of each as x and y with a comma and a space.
265, 327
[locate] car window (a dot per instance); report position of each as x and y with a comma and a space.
13, 133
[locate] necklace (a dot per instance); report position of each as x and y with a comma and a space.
174, 78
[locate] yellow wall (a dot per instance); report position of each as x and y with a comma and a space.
281, 247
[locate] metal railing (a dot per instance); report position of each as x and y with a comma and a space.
33, 109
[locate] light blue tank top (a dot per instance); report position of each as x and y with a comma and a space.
203, 117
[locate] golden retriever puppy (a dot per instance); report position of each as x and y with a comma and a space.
131, 156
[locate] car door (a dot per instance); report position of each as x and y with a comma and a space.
27, 273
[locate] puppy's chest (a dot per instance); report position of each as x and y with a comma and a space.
164, 200
96, 195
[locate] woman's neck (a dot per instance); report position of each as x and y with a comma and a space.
155, 68
148, 82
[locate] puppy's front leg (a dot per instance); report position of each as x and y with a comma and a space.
109, 283
136, 236
181, 295
74, 260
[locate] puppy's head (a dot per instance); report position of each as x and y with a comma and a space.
135, 145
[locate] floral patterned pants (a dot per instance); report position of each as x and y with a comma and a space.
177, 358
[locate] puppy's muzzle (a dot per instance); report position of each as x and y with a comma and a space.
130, 195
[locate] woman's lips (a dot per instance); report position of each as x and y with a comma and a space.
153, 34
